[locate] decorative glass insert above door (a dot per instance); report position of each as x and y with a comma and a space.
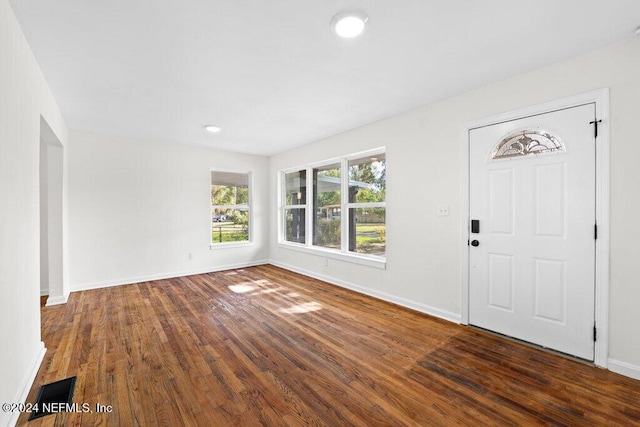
527, 142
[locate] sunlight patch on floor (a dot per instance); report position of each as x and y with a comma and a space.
267, 291
242, 288
264, 287
302, 308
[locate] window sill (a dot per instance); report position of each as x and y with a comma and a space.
228, 245
366, 260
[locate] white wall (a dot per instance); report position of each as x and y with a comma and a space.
137, 209
24, 99
44, 219
424, 155
58, 292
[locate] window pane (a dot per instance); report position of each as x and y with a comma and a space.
367, 231
327, 232
295, 225
326, 204
296, 188
229, 188
368, 179
230, 225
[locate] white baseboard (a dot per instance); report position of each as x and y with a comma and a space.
423, 308
44, 292
11, 418
57, 300
624, 368
162, 276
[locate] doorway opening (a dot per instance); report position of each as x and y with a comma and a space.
52, 244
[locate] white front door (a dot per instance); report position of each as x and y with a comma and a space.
532, 255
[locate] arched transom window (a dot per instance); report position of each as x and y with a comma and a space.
527, 142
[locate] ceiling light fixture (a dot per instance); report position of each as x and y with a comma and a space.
213, 129
349, 24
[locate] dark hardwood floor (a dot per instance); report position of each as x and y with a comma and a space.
264, 346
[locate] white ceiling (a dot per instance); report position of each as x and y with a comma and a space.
272, 73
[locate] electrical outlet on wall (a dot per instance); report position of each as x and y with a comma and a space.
443, 210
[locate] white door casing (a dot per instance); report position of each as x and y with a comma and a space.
533, 274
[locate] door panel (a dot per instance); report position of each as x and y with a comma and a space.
550, 200
550, 288
532, 275
501, 281
501, 199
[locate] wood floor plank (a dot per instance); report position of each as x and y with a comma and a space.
264, 346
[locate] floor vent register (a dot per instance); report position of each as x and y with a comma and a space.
53, 398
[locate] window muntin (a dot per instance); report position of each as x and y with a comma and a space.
345, 210
230, 194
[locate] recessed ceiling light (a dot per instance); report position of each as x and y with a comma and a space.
349, 24
213, 129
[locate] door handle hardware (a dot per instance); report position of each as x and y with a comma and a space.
475, 226
475, 243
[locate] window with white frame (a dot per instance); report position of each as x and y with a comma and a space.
367, 206
295, 203
345, 209
327, 206
230, 203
